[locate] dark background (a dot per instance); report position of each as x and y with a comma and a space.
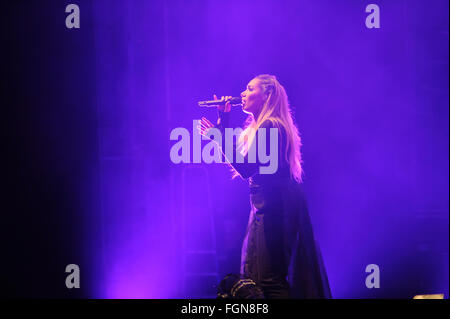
50, 160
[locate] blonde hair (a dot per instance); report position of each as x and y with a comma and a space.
275, 109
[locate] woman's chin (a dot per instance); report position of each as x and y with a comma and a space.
245, 109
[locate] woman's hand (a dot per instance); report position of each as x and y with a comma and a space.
227, 106
205, 126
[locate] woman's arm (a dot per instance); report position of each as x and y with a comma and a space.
249, 168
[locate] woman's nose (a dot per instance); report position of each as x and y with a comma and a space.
242, 94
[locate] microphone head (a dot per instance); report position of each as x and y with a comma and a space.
236, 101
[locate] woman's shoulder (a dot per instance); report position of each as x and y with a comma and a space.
274, 123
270, 122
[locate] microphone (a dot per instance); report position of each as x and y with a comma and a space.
234, 101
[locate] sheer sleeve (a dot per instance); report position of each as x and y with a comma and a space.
250, 167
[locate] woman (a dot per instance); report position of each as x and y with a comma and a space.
279, 252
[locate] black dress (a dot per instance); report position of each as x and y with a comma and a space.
279, 251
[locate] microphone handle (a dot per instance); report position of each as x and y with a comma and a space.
234, 101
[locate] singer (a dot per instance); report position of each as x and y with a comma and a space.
279, 252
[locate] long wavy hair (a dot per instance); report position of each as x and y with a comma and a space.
277, 110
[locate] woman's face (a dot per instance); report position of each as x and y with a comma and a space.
253, 98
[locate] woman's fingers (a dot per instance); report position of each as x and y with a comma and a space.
201, 130
204, 126
227, 107
209, 123
219, 107
206, 122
